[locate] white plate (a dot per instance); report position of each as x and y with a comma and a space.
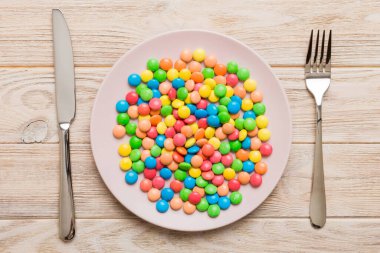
104, 145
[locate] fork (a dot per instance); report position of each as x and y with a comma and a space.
317, 77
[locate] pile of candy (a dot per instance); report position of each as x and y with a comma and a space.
189, 138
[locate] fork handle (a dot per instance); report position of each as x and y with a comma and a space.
318, 196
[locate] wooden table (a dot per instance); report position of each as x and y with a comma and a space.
101, 32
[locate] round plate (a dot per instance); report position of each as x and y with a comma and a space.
114, 87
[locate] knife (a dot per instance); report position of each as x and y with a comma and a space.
65, 102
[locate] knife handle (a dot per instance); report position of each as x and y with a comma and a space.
66, 199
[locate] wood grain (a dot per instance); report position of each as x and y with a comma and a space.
248, 235
351, 105
29, 179
103, 30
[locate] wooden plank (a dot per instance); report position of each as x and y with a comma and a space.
103, 30
247, 235
29, 183
351, 111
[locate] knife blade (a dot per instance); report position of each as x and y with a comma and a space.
65, 102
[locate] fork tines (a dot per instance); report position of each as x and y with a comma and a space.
323, 64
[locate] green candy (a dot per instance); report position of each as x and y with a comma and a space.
138, 166
222, 108
237, 165
225, 101
203, 205
182, 93
122, 119
249, 124
220, 90
147, 94
236, 198
211, 189
224, 117
180, 175
166, 110
152, 64
140, 88
155, 151
208, 73
259, 109
135, 142
243, 74
213, 211
235, 145
184, 194
218, 168
199, 181
184, 166
135, 155
239, 123
130, 128
160, 75
224, 148
232, 67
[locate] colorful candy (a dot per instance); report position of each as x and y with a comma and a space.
186, 119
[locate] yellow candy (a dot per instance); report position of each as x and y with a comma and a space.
195, 172
210, 82
243, 134
165, 100
194, 127
190, 142
255, 156
164, 150
246, 104
199, 54
230, 91
205, 91
187, 99
170, 120
146, 75
183, 112
213, 98
124, 149
161, 128
229, 174
185, 74
125, 163
232, 122
144, 117
172, 74
210, 132
177, 103
250, 85
262, 121
215, 142
264, 134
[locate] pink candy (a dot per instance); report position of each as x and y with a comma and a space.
255, 180
155, 104
216, 157
227, 159
158, 182
232, 80
218, 180
179, 140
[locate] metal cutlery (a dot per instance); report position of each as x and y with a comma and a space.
65, 102
317, 77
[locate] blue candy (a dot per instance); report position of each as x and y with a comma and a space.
224, 202
140, 101
165, 173
150, 162
167, 194
192, 108
153, 84
193, 149
212, 199
236, 99
156, 93
188, 158
160, 139
213, 121
122, 106
162, 206
233, 107
246, 144
189, 182
178, 83
200, 113
249, 114
248, 166
131, 177
134, 80
212, 109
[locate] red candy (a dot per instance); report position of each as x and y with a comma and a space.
256, 180
176, 185
202, 123
234, 185
266, 149
159, 165
144, 109
145, 185
202, 104
170, 132
158, 182
149, 174
218, 180
178, 125
208, 150
155, 104
132, 97
216, 157
175, 114
172, 94
194, 198
232, 80
208, 175
152, 132
206, 165
234, 136
179, 140
190, 120
227, 159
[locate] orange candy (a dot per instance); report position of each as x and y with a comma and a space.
201, 142
118, 131
242, 155
255, 143
220, 69
186, 55
188, 208
144, 155
196, 161
210, 61
223, 190
166, 64
155, 119
240, 91
235, 116
144, 125
147, 143
220, 79
179, 64
187, 131
194, 66
190, 85
195, 97
154, 194
228, 128
243, 177
181, 150
197, 77
176, 203
199, 134
261, 168
133, 112
157, 112
169, 144
253, 133
200, 190
219, 134
173, 166
166, 158
140, 134
256, 96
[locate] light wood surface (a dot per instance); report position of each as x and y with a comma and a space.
101, 32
